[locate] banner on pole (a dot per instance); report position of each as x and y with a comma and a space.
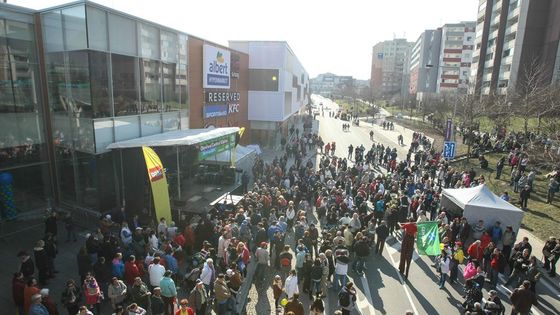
448, 129
427, 241
158, 181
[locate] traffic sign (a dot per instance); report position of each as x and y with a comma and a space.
449, 149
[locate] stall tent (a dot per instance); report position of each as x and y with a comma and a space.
480, 203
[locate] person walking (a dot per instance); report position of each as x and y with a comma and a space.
294, 306
71, 297
291, 284
522, 299
198, 298
93, 294
168, 293
184, 308
381, 231
223, 294
443, 268
117, 292
18, 287
407, 247
347, 298
208, 276
41, 261
69, 226
156, 302
277, 290
36, 308
140, 294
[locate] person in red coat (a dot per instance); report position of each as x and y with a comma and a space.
476, 251
485, 240
131, 270
18, 286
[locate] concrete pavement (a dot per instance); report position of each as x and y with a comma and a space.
388, 292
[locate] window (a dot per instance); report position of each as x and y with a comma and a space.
149, 41
99, 76
52, 31
169, 49
78, 101
171, 96
75, 28
97, 29
125, 84
122, 35
150, 83
263, 79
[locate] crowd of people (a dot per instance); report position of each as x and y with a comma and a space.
305, 226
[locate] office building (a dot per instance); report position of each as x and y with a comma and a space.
511, 37
278, 88
388, 67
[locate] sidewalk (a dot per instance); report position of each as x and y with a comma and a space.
260, 301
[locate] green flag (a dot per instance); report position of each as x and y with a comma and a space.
427, 240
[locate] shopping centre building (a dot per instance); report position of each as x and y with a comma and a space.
83, 83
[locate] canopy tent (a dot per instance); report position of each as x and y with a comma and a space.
178, 137
479, 203
200, 137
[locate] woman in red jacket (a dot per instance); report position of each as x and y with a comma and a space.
131, 270
18, 286
476, 251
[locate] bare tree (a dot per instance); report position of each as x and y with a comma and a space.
531, 92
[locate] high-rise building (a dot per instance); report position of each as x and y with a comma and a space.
388, 66
511, 37
455, 57
424, 62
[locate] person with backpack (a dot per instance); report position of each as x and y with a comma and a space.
285, 261
347, 298
361, 249
316, 276
342, 260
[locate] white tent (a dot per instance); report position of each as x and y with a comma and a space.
479, 203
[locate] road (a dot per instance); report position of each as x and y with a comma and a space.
382, 290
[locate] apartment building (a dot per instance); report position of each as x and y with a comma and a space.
424, 63
389, 60
511, 36
455, 57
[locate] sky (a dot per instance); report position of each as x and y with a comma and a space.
326, 35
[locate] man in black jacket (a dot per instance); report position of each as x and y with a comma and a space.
382, 232
361, 248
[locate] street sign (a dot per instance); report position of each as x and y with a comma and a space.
448, 129
449, 149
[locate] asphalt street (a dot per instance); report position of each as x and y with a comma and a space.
382, 290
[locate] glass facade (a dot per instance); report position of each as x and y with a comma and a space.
110, 78
23, 151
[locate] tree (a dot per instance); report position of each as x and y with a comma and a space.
531, 92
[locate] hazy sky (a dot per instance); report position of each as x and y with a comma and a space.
327, 36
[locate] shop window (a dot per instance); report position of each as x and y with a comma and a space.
99, 76
150, 83
171, 96
125, 84
78, 101
149, 41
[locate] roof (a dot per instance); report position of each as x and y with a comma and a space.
479, 196
178, 137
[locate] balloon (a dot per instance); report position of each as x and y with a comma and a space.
284, 302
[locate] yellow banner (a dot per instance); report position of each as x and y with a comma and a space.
158, 182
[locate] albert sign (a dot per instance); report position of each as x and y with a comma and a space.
216, 67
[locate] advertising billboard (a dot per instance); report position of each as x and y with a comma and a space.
216, 67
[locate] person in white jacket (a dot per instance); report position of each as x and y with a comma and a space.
291, 284
208, 276
126, 234
444, 268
